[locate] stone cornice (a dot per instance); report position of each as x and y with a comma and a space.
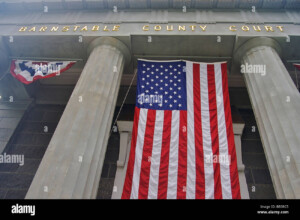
147, 4
4, 62
209, 16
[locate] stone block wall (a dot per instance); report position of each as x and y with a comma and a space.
109, 167
11, 114
30, 139
112, 155
257, 173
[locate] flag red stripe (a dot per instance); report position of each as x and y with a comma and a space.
235, 186
128, 179
147, 152
214, 128
200, 176
164, 161
182, 156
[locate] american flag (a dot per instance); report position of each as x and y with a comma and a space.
182, 144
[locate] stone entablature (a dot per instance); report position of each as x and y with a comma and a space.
206, 16
167, 22
147, 4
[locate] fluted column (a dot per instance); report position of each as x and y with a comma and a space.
4, 61
3, 70
276, 105
9, 86
14, 100
72, 164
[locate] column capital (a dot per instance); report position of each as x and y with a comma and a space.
4, 60
110, 41
254, 44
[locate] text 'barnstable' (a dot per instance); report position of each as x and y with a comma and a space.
148, 27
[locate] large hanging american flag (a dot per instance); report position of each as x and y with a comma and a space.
182, 144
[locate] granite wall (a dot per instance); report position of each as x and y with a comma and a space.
30, 139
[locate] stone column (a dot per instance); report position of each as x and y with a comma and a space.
4, 61
276, 105
3, 70
9, 86
72, 165
14, 100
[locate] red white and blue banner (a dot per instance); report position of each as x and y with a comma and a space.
28, 71
182, 143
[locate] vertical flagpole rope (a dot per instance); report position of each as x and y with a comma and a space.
6, 73
123, 102
3, 76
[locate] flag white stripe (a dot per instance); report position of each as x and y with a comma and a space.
191, 161
156, 155
223, 144
173, 158
139, 154
207, 145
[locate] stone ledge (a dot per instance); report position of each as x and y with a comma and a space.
144, 4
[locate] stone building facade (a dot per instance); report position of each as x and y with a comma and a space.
77, 156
